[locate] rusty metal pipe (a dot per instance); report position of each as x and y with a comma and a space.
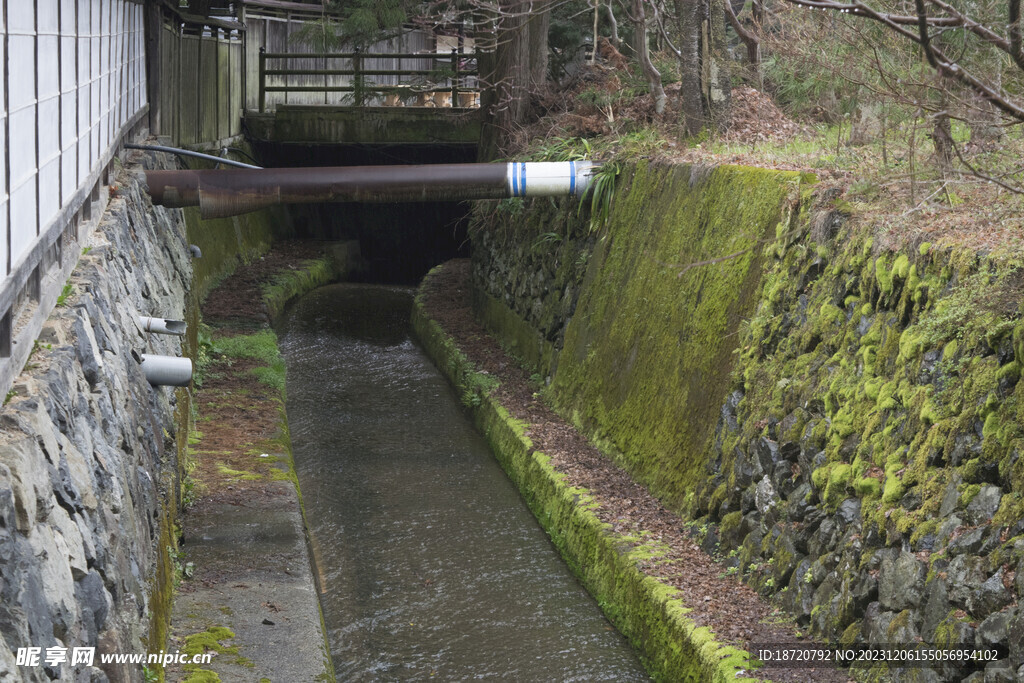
229, 192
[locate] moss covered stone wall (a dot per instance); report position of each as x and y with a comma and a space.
867, 460
636, 323
842, 421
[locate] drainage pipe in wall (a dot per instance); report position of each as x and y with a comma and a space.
163, 326
167, 371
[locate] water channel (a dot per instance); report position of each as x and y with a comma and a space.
431, 564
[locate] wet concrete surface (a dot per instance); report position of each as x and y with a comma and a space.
253, 567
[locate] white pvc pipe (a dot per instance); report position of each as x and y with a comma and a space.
548, 178
167, 371
163, 325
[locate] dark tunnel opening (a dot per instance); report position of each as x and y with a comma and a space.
399, 242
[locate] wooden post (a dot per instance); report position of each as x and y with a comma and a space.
263, 78
357, 78
154, 33
455, 77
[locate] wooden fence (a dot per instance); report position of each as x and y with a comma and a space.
367, 78
201, 83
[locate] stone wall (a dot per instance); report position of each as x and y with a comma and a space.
841, 422
866, 467
635, 323
88, 454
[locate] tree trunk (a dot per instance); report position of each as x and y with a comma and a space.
690, 88
508, 80
750, 40
942, 139
613, 24
715, 61
539, 23
644, 57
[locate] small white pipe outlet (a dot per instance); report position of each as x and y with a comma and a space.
548, 178
167, 371
163, 325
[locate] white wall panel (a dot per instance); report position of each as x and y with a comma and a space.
68, 172
3, 234
48, 67
68, 61
68, 119
23, 219
21, 16
49, 129
23, 145
49, 189
75, 77
47, 19
21, 75
68, 16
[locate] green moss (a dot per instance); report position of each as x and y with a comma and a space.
893, 489
651, 336
238, 474
912, 343
209, 641
967, 493
901, 268
924, 248
883, 274
839, 478
261, 347
868, 487
639, 349
1011, 509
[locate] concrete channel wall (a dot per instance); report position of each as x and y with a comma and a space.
89, 455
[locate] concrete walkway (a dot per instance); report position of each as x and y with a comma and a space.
255, 580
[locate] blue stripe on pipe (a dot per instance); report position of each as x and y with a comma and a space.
523, 181
572, 178
515, 181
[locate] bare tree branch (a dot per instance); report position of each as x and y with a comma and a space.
935, 56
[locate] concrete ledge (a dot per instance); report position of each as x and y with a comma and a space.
365, 125
254, 597
648, 612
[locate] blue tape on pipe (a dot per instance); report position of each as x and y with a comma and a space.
572, 178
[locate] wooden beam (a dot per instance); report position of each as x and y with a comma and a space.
285, 5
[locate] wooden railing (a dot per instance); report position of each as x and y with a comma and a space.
455, 74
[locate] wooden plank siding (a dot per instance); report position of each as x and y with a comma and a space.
201, 84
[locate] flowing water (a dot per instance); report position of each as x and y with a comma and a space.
431, 565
